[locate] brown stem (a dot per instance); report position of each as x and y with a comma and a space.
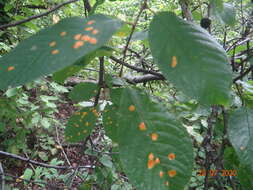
36, 16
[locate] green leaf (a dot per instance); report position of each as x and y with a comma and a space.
28, 174
140, 35
106, 161
124, 31
2, 127
155, 150
84, 91
245, 175
80, 124
190, 58
241, 136
54, 48
226, 14
43, 156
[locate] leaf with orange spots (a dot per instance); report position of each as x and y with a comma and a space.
55, 48
80, 124
62, 75
84, 91
146, 136
110, 122
191, 59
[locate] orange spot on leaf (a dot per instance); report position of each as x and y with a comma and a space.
95, 31
131, 108
93, 40
88, 29
154, 136
142, 126
11, 68
77, 36
172, 173
85, 38
63, 33
171, 156
161, 173
91, 22
55, 51
157, 161
151, 164
174, 62
151, 156
78, 44
52, 44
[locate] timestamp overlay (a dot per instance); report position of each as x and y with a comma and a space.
214, 172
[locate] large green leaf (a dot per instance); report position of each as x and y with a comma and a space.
190, 58
155, 150
84, 91
81, 124
54, 48
240, 133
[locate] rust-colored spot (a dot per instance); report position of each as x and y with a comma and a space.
157, 161
52, 44
131, 108
91, 22
142, 126
87, 124
171, 156
94, 31
93, 40
151, 156
77, 113
174, 62
77, 36
88, 29
151, 164
11, 68
154, 136
63, 33
84, 113
85, 38
172, 173
78, 44
55, 51
161, 174
166, 183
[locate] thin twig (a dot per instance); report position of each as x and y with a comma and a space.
243, 74
137, 68
36, 16
143, 7
59, 142
2, 178
40, 163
